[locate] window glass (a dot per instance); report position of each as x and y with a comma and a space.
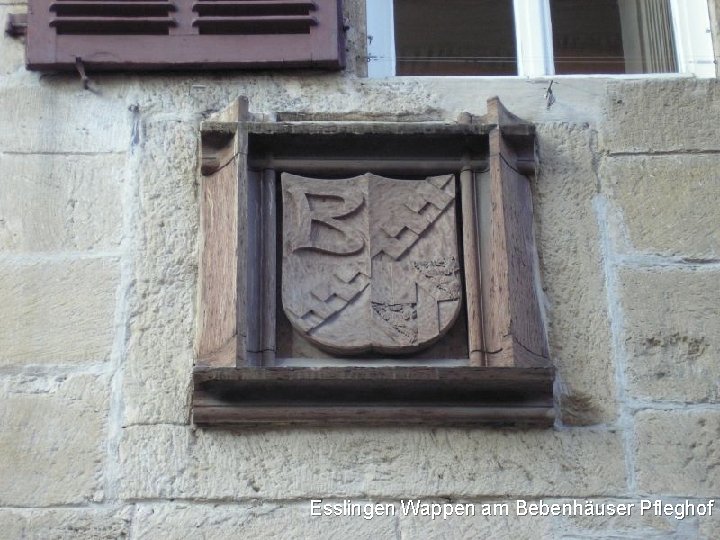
538, 37
455, 37
612, 36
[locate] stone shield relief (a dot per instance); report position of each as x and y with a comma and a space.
370, 264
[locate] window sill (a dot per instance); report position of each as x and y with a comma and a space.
625, 77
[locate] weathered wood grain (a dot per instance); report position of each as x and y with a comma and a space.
252, 276
269, 269
515, 335
344, 166
471, 257
220, 241
374, 128
217, 325
373, 396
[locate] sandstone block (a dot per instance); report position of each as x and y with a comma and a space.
62, 117
477, 526
160, 356
572, 273
654, 115
51, 439
56, 202
65, 523
283, 92
709, 527
677, 452
178, 462
672, 334
668, 204
527, 526
406, 99
714, 8
266, 520
580, 102
12, 53
57, 312
158, 377
607, 527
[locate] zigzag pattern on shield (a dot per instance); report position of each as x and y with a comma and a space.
330, 296
399, 231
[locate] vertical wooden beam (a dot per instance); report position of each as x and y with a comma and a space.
252, 277
515, 335
243, 115
269, 268
261, 268
471, 257
222, 158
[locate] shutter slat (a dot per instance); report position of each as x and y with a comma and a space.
291, 24
112, 25
111, 9
106, 2
114, 17
230, 7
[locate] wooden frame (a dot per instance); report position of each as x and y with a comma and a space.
507, 377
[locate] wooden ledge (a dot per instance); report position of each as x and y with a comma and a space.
439, 129
386, 396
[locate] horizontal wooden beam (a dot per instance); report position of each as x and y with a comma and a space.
467, 396
444, 129
359, 166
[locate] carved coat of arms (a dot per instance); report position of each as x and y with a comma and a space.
370, 263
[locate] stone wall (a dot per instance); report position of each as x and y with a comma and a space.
98, 272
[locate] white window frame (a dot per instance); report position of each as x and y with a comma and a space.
533, 32
693, 37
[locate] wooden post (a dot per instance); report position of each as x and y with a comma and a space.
515, 336
261, 270
471, 257
472, 267
218, 340
251, 309
269, 269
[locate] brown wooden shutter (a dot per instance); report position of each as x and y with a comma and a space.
184, 34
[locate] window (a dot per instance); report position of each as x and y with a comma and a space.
534, 38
